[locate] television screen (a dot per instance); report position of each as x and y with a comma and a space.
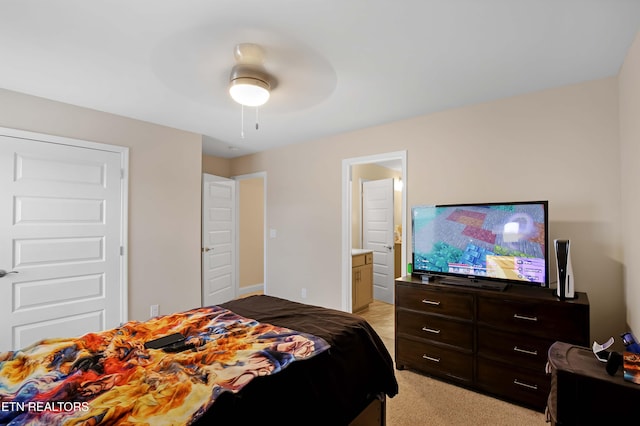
505, 242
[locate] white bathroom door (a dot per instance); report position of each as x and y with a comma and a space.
377, 234
218, 239
61, 238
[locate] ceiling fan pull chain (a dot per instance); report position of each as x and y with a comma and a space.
257, 118
242, 121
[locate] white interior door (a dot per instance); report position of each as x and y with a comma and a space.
377, 234
218, 239
61, 232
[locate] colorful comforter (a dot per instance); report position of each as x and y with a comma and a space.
110, 378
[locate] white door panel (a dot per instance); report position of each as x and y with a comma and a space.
31, 252
218, 239
377, 220
57, 210
61, 229
57, 291
73, 325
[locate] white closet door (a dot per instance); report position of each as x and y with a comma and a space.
61, 237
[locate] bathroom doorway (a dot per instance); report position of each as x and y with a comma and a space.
355, 171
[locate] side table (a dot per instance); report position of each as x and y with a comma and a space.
582, 392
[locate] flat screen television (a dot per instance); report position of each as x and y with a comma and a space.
488, 245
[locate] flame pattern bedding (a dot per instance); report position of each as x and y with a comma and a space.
110, 378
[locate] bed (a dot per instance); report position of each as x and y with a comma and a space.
263, 357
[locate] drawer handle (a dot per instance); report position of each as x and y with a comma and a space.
523, 317
525, 385
430, 358
431, 330
524, 351
430, 302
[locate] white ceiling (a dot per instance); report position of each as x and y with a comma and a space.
341, 65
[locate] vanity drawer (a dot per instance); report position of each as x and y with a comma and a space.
515, 348
361, 259
434, 360
435, 328
436, 302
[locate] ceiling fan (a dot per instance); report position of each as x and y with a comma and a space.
250, 84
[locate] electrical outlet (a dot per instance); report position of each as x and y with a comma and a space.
153, 311
303, 293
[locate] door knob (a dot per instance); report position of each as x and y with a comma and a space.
388, 247
206, 249
3, 272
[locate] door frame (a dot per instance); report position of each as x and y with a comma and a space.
123, 151
346, 214
238, 178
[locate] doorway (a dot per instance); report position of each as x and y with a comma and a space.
233, 237
397, 160
252, 220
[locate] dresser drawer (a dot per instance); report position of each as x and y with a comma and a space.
434, 360
554, 321
509, 381
434, 301
435, 328
518, 349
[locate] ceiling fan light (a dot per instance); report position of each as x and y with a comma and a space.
249, 91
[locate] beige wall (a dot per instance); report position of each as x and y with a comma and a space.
164, 194
629, 89
251, 232
559, 145
303, 207
216, 166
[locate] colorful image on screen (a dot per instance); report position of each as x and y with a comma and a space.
503, 241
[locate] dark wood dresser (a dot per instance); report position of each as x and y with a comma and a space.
488, 340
